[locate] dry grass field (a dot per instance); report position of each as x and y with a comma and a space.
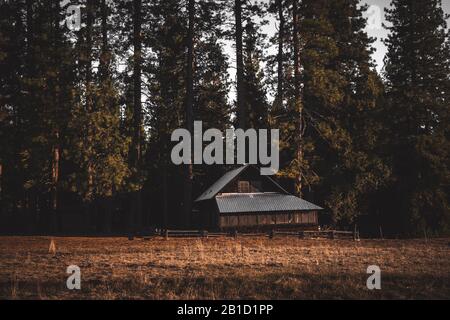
225, 268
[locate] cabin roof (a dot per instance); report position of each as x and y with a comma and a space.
220, 184
262, 202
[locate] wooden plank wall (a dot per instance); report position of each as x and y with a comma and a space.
265, 219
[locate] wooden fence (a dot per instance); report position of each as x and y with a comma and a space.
329, 234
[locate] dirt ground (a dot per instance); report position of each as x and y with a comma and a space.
223, 268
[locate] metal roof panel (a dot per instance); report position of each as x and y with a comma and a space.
221, 183
262, 202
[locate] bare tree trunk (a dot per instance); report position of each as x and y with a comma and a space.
55, 179
89, 108
30, 37
188, 174
137, 110
105, 57
165, 198
89, 26
1, 189
280, 53
241, 112
298, 98
56, 149
104, 69
31, 74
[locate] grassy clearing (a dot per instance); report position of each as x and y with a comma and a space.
246, 268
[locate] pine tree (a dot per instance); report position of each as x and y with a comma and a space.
211, 83
99, 154
255, 103
311, 87
169, 88
43, 81
251, 104
417, 79
189, 112
240, 88
11, 109
280, 54
298, 98
166, 74
278, 78
362, 170
330, 149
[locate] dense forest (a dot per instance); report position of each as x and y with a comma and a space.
86, 114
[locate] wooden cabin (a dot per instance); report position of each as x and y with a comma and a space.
243, 199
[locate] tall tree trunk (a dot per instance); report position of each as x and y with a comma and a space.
89, 108
30, 37
30, 67
55, 178
88, 48
137, 110
298, 98
56, 149
165, 197
188, 174
241, 112
280, 53
104, 70
105, 57
1, 190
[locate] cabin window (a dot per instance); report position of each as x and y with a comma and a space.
243, 187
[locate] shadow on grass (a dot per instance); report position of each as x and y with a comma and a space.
270, 286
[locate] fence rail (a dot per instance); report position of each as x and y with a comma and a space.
330, 234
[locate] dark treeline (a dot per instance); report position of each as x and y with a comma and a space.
86, 114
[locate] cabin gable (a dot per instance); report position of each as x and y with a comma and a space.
250, 181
